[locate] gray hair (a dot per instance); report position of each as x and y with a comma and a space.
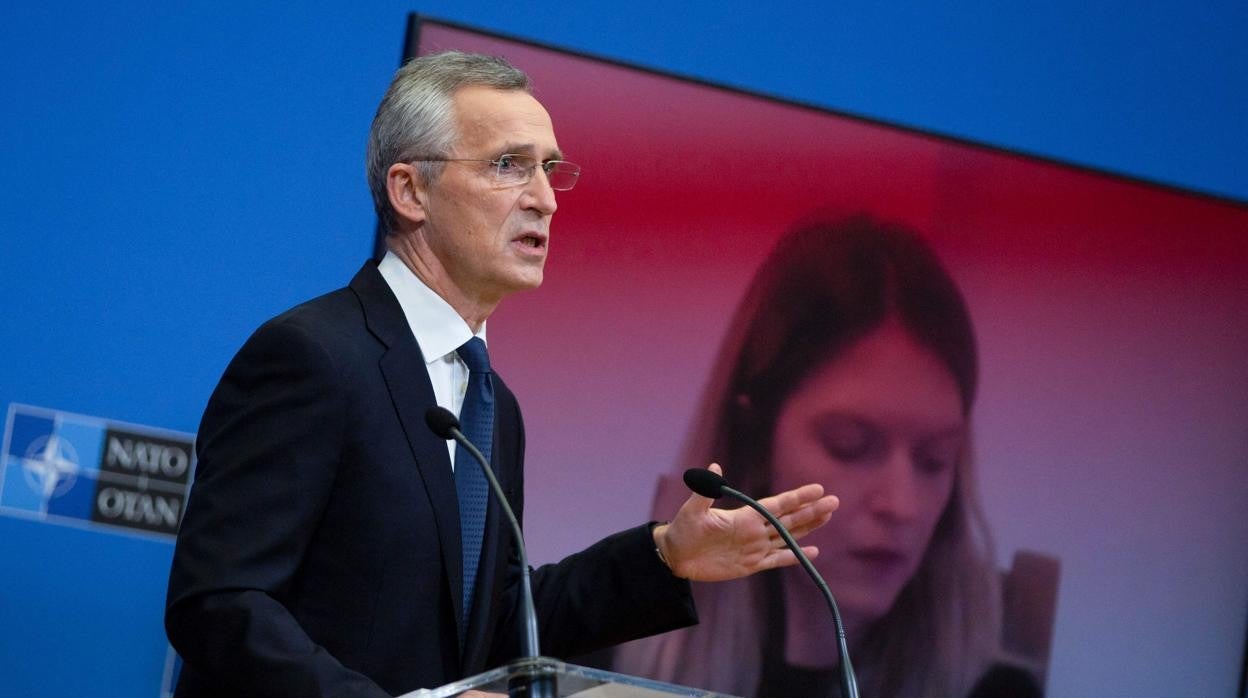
416, 117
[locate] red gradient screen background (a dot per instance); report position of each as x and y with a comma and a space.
1112, 315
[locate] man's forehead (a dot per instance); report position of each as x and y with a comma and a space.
512, 120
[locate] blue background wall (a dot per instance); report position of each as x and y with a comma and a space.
171, 175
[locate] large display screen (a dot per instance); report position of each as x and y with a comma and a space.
1110, 427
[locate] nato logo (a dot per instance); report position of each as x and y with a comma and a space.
78, 470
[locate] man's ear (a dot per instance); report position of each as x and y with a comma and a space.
406, 189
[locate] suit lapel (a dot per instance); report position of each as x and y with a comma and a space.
403, 367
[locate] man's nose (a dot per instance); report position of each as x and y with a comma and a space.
538, 194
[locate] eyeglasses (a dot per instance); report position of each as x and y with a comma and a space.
512, 170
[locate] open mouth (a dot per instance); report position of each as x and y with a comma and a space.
532, 241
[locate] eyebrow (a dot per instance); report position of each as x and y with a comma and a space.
937, 434
528, 149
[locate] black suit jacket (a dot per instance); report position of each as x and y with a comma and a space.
319, 553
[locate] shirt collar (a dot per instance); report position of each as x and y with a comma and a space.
438, 329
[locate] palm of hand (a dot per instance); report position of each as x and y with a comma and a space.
709, 544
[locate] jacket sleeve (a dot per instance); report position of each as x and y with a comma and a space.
614, 591
268, 450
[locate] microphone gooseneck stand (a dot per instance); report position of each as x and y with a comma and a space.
538, 685
710, 485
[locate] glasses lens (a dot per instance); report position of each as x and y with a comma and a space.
562, 174
515, 169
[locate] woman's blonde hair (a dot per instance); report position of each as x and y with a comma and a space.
825, 287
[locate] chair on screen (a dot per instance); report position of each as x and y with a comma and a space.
1028, 611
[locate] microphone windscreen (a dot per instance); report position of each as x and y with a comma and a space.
441, 421
705, 482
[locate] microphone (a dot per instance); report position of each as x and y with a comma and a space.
707, 484
442, 422
445, 425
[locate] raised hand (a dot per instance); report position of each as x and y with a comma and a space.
706, 544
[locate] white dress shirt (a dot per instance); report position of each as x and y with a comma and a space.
439, 331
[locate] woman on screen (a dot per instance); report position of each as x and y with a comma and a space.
850, 362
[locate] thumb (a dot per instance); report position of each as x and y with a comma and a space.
698, 502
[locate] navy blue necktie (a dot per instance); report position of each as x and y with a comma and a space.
476, 420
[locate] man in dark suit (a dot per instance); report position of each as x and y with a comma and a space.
323, 551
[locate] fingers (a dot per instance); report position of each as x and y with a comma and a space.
785, 558
800, 532
800, 521
798, 529
785, 502
810, 516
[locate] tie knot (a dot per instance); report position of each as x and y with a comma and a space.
475, 356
